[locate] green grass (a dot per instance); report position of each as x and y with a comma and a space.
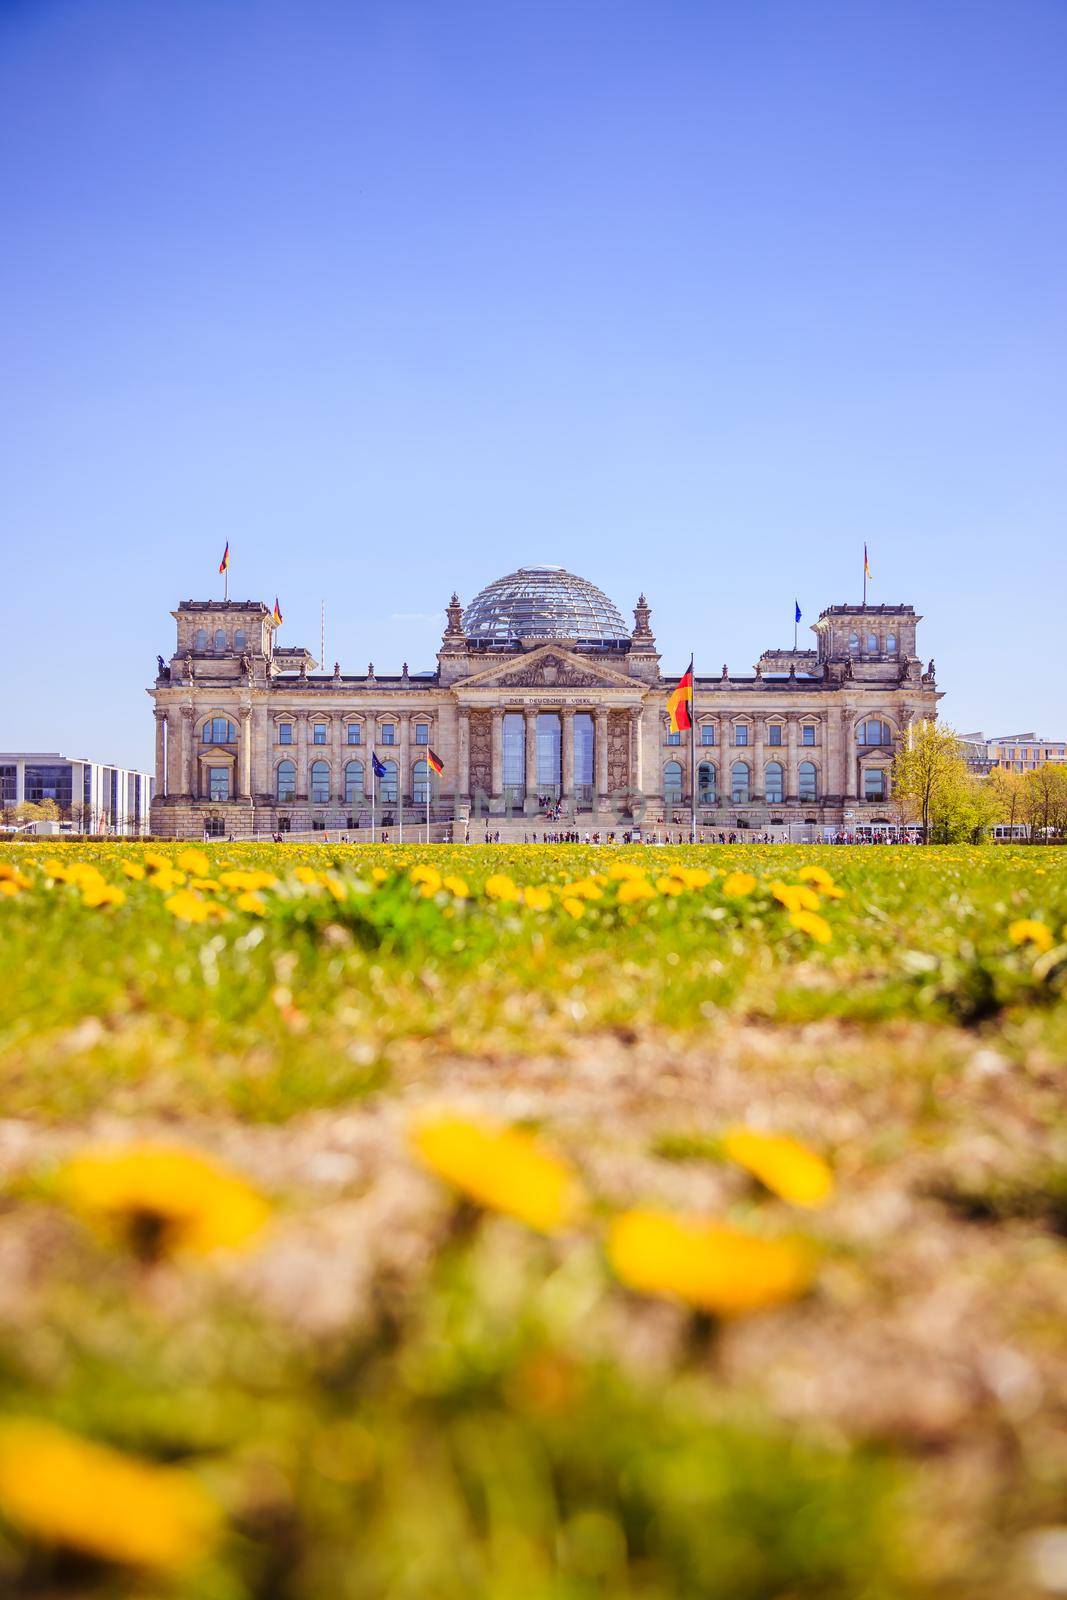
390, 1396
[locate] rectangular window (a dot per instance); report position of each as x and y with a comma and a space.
707, 735
285, 733
807, 734
422, 733
672, 737
774, 734
388, 734
355, 733
318, 733
9, 785
874, 784
218, 783
740, 736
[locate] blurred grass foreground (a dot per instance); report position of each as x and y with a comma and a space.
533, 1223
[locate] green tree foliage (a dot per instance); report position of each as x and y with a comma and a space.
934, 786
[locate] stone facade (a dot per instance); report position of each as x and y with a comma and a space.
252, 738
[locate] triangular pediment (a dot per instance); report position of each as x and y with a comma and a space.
551, 666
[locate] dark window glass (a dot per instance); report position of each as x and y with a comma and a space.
218, 783
807, 733
318, 733
286, 781
320, 783
808, 781
773, 788
774, 734
285, 733
388, 733
739, 789
354, 733
422, 733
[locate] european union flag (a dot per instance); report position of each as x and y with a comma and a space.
797, 604
377, 766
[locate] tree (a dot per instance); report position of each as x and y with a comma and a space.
933, 784
1007, 788
1045, 802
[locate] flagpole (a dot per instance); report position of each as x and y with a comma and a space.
373, 792
796, 624
429, 785
693, 757
865, 577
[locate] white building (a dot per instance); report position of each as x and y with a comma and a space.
94, 796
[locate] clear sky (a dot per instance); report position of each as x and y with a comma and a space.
693, 298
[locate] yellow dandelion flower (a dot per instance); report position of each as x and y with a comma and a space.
153, 859
240, 878
134, 870
94, 1500
782, 1165
10, 888
157, 1200
500, 887
633, 889
333, 885
194, 861
503, 1169
736, 884
817, 875
795, 896
166, 879
670, 885
621, 870
379, 874
188, 907
251, 902
537, 897
692, 877
427, 879
206, 885
584, 889
707, 1265
814, 925
102, 894
306, 875
11, 874
573, 907
1028, 930
456, 886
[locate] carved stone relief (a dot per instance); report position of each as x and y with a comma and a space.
481, 751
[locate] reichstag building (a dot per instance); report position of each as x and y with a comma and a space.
541, 694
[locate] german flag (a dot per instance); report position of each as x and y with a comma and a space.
225, 562
680, 701
435, 761
277, 613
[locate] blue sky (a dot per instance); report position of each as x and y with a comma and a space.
395, 297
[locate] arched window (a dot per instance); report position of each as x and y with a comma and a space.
387, 784
285, 782
320, 783
872, 644
706, 786
200, 642
219, 730
873, 731
387, 733
672, 783
422, 733
891, 644
739, 789
220, 638
773, 783
354, 733
853, 644
353, 781
808, 781
240, 640
707, 733
420, 782
874, 785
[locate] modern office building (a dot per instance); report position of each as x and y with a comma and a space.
541, 692
1025, 752
93, 796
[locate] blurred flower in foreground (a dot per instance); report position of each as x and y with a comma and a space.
738, 883
781, 1165
498, 886
89, 1498
1029, 931
813, 924
795, 896
710, 1266
160, 1200
504, 1169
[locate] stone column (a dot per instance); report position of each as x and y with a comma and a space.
403, 758
848, 756
463, 753
496, 776
531, 755
792, 779
188, 752
301, 720
161, 755
637, 766
244, 753
566, 769
600, 754
758, 790
175, 770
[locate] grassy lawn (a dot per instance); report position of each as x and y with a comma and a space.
382, 1223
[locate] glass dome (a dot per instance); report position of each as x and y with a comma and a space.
543, 603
